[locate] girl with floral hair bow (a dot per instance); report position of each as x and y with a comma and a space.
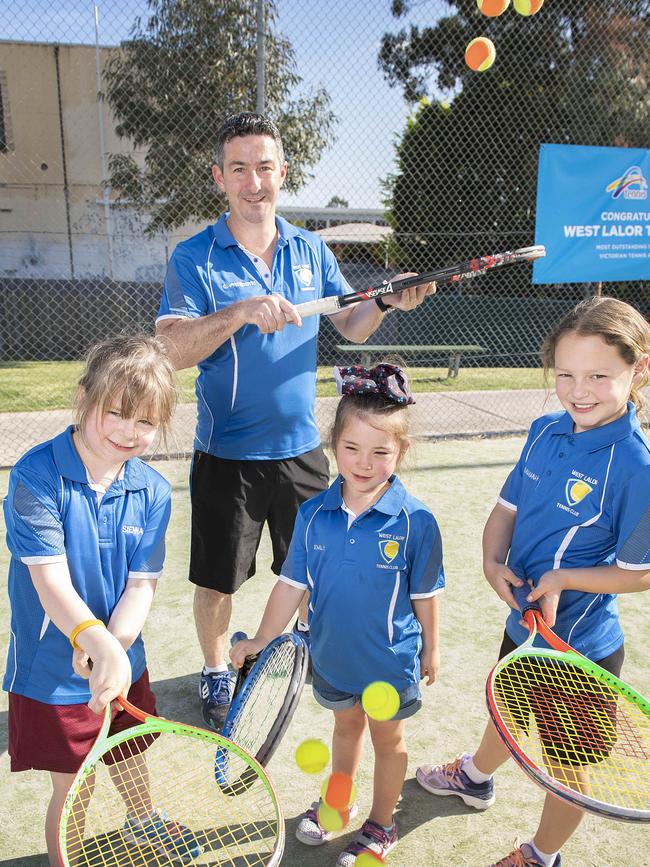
371, 556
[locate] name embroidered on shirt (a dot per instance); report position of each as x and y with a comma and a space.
131, 530
238, 284
318, 547
531, 474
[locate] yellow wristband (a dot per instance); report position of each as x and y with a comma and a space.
86, 624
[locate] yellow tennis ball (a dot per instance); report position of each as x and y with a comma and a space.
367, 859
380, 700
331, 819
480, 54
492, 8
312, 756
527, 7
338, 791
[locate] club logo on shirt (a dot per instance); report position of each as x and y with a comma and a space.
576, 490
389, 549
131, 530
305, 277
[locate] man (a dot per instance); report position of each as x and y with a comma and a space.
228, 306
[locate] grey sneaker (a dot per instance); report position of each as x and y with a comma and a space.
311, 832
451, 779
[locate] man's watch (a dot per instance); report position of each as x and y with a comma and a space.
383, 307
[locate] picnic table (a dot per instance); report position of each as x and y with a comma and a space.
452, 351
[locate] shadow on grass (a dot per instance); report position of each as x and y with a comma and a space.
415, 809
26, 861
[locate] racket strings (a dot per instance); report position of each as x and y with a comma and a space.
265, 698
158, 803
576, 728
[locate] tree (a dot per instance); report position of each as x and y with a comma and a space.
575, 73
337, 202
188, 66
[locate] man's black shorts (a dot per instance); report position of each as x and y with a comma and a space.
231, 501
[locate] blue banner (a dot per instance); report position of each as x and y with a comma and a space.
593, 214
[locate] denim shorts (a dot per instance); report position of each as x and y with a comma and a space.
333, 699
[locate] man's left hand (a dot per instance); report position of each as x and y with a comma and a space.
408, 299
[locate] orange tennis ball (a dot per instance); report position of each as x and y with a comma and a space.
480, 54
331, 819
492, 8
338, 791
527, 7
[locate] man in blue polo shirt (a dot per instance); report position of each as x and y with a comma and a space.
228, 306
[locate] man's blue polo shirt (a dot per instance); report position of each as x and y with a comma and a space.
362, 579
52, 516
256, 392
581, 500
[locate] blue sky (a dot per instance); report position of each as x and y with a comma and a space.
336, 44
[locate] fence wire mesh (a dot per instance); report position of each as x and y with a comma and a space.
399, 155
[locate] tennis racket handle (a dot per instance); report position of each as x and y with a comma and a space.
237, 636
520, 594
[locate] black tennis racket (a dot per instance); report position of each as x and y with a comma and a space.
451, 274
266, 695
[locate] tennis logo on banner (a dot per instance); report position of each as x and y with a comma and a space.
389, 549
576, 490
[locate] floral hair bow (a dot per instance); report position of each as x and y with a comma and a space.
388, 380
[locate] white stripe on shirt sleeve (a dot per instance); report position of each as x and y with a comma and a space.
148, 576
39, 561
635, 567
292, 583
427, 595
510, 506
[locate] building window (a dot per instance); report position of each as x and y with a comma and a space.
6, 143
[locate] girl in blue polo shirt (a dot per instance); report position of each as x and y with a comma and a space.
572, 520
371, 557
86, 522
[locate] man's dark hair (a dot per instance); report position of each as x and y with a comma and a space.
246, 123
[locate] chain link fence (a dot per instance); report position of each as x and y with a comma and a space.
399, 155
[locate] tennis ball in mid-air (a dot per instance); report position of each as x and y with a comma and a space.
492, 8
368, 859
527, 7
480, 54
331, 819
380, 700
338, 791
312, 756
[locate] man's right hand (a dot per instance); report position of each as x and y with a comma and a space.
269, 312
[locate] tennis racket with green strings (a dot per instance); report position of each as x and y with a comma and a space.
148, 796
577, 730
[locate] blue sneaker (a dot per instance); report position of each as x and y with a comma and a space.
451, 779
161, 833
215, 692
523, 855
